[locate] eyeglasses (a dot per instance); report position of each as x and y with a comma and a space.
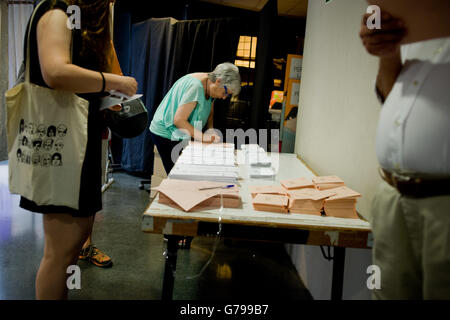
226, 92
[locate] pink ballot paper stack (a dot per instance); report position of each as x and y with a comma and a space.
328, 182
198, 195
271, 202
299, 183
342, 204
308, 200
254, 190
327, 194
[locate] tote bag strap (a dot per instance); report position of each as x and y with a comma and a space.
27, 61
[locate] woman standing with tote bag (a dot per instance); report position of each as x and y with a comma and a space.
74, 61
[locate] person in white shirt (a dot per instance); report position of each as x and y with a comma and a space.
411, 210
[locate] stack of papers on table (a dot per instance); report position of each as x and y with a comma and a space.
262, 173
336, 202
298, 183
255, 190
206, 172
256, 156
210, 162
271, 202
192, 195
252, 148
258, 160
208, 154
328, 182
308, 200
211, 145
342, 204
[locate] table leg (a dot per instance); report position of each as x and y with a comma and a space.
338, 273
170, 266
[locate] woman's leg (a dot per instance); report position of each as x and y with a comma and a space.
64, 238
87, 242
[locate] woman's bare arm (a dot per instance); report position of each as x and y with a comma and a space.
181, 120
58, 72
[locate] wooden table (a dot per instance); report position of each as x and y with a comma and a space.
246, 223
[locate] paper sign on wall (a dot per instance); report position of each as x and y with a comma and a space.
295, 93
295, 68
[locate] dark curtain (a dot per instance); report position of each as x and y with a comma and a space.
163, 50
263, 68
122, 44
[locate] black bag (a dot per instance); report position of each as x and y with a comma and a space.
130, 121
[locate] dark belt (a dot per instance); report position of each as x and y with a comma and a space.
417, 186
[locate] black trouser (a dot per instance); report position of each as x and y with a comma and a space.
165, 147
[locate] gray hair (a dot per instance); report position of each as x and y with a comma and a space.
229, 76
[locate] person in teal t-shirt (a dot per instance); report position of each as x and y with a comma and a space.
188, 107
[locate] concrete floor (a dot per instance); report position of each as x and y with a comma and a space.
238, 270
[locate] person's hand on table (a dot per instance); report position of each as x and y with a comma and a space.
210, 138
384, 42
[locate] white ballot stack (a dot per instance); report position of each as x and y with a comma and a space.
258, 161
210, 162
255, 156
261, 173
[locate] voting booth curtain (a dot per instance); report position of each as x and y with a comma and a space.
157, 52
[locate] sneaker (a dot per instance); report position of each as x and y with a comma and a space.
95, 256
84, 253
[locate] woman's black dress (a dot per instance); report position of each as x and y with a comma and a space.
90, 200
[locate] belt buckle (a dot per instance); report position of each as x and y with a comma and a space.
399, 178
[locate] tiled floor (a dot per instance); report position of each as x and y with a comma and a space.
246, 270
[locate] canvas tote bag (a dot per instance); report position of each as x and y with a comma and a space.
47, 137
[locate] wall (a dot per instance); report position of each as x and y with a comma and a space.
338, 114
3, 76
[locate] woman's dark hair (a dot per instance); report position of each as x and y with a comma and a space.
95, 32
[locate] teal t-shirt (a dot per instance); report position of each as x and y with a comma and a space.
186, 89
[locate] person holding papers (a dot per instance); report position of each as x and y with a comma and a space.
76, 61
411, 209
188, 107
